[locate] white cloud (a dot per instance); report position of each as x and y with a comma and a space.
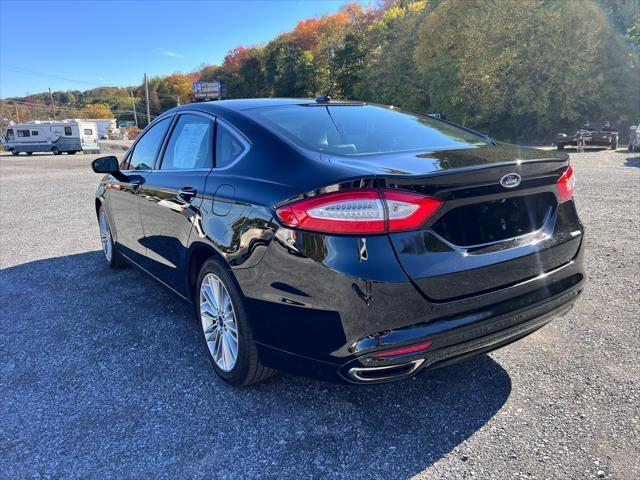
169, 53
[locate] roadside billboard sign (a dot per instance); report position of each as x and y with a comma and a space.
208, 90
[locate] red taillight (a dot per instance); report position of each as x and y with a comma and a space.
360, 212
404, 350
567, 185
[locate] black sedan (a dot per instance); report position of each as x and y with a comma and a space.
343, 240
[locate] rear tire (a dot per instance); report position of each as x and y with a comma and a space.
111, 255
221, 311
560, 146
29, 153
55, 151
14, 152
614, 144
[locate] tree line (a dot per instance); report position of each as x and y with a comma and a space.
519, 70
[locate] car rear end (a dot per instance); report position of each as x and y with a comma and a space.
426, 259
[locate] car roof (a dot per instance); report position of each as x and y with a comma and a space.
241, 104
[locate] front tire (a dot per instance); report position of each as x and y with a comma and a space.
113, 258
14, 152
226, 331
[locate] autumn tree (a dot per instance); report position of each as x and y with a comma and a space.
96, 110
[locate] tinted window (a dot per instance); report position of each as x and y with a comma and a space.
10, 135
34, 133
228, 146
363, 129
190, 145
67, 130
146, 149
23, 133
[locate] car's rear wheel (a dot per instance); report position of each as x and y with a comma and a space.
14, 152
108, 247
29, 153
225, 326
55, 151
614, 144
560, 146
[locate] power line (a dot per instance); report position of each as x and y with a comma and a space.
47, 108
46, 75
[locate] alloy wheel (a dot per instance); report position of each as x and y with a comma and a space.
218, 320
105, 235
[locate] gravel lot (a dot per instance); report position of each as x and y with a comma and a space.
103, 375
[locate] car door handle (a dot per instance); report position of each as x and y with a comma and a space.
187, 193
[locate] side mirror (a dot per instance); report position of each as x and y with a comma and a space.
105, 165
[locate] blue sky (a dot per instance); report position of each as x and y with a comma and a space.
85, 44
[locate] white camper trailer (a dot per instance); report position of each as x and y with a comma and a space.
70, 136
107, 127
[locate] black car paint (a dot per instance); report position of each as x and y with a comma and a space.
317, 307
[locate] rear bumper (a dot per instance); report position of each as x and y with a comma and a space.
462, 338
311, 319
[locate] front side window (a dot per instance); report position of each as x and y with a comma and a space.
10, 134
88, 131
67, 130
363, 129
24, 133
228, 146
146, 149
34, 133
190, 145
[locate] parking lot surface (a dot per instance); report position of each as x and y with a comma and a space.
103, 374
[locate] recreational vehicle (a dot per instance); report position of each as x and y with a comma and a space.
107, 127
70, 136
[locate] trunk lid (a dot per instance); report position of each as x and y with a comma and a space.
487, 236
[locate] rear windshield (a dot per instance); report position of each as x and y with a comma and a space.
362, 129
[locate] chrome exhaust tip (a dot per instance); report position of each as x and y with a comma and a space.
388, 372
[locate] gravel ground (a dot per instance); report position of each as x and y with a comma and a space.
103, 375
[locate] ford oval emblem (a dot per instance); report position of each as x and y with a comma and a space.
510, 180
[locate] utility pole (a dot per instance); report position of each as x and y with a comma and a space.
133, 102
178, 98
17, 115
53, 107
146, 89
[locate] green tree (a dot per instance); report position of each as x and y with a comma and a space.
526, 72
289, 69
390, 74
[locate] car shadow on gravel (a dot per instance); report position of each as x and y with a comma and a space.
632, 162
104, 375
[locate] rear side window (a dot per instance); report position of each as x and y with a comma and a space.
228, 146
146, 149
190, 145
24, 133
34, 133
67, 130
363, 129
